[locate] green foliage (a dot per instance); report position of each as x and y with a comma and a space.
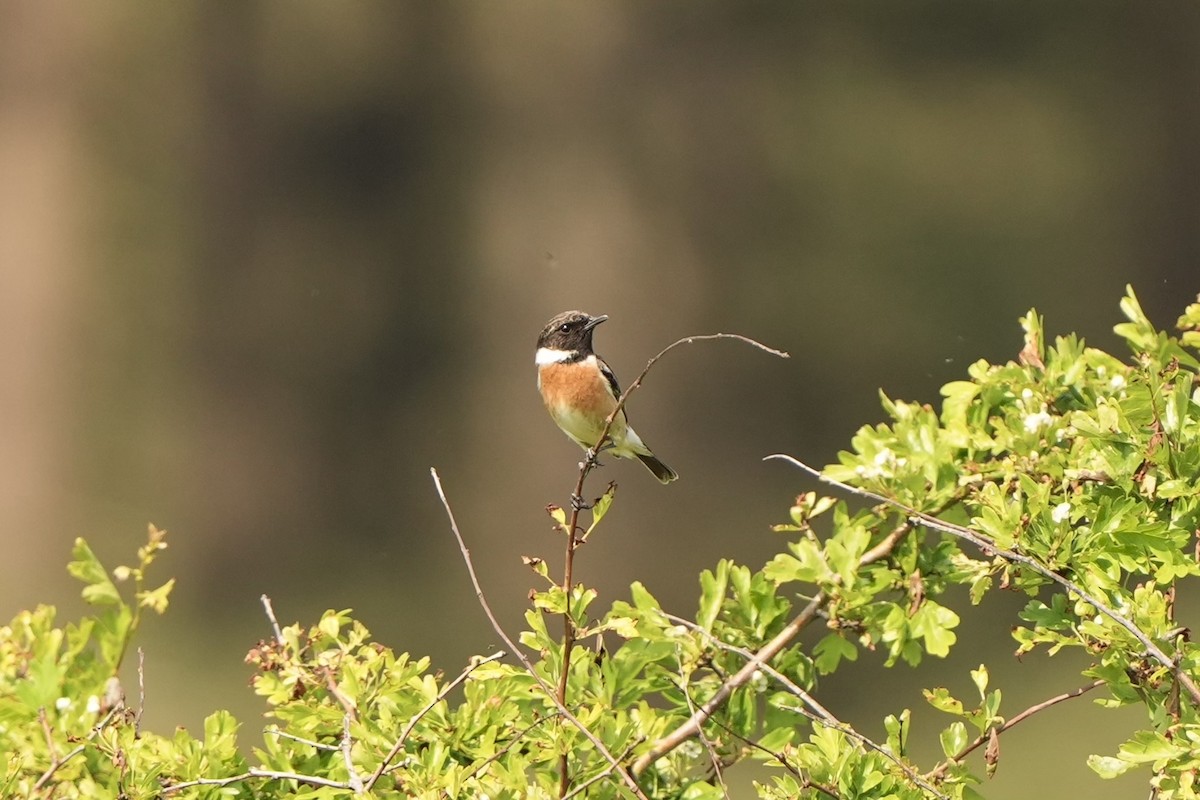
1068, 475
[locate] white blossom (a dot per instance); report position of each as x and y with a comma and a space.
1037, 421
1061, 512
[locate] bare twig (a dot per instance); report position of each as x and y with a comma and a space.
353, 779
983, 738
990, 548
48, 734
412, 723
348, 705
633, 387
255, 772
137, 717
274, 731
626, 777
585, 467
266, 602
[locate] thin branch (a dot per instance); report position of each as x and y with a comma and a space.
990, 548
274, 731
354, 780
983, 738
255, 772
56, 762
412, 723
704, 740
585, 467
48, 734
137, 718
819, 714
344, 700
500, 753
768, 651
487, 609
607, 771
633, 387
266, 602
822, 714
805, 781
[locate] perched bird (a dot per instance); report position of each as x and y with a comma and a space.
580, 391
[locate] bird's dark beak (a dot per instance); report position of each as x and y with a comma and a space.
594, 321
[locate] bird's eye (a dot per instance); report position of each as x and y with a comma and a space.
565, 327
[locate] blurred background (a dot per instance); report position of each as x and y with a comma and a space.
263, 264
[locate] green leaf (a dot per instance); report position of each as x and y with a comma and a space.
897, 731
156, 599
954, 739
642, 599
1147, 746
99, 590
712, 594
702, 790
980, 679
601, 507
831, 650
941, 699
1109, 767
933, 623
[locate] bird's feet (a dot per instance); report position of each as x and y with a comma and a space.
591, 460
579, 504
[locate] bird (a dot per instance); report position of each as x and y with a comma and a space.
580, 391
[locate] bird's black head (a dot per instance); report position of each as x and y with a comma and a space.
570, 331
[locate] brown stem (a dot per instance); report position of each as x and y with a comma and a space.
937, 771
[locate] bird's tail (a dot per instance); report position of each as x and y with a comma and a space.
660, 470
634, 445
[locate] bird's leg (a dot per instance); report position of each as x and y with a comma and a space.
579, 504
592, 455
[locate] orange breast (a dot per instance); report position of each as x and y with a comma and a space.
578, 386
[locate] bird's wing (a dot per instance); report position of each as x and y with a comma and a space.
609, 376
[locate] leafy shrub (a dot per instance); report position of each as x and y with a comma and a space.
1069, 475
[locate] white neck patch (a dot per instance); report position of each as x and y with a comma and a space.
547, 355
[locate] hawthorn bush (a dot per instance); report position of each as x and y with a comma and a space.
1069, 475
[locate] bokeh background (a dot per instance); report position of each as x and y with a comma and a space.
263, 264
